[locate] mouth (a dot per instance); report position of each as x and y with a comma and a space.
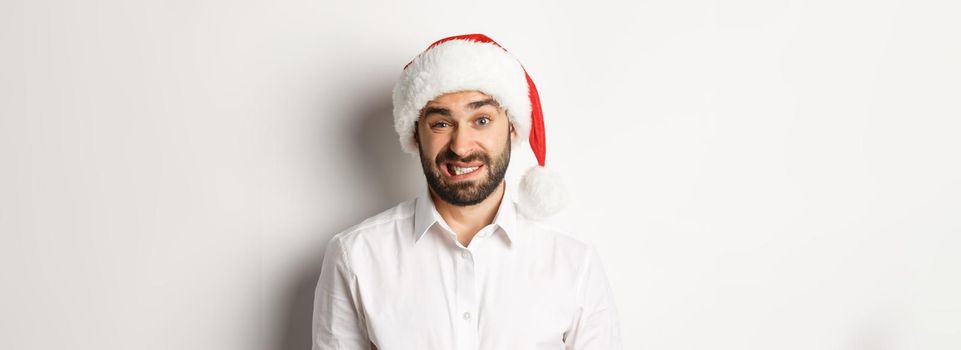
461, 171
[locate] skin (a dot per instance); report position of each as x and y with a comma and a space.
465, 131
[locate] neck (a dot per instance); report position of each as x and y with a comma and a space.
467, 220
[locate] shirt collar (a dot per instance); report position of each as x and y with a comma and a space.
426, 215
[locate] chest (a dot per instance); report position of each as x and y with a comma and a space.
454, 298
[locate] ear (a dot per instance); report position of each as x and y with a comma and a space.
510, 123
416, 134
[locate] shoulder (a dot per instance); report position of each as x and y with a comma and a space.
550, 233
373, 228
576, 256
557, 242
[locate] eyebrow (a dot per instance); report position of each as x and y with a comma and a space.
436, 110
473, 105
479, 104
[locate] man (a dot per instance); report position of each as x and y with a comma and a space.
461, 266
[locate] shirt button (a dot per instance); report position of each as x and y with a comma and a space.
465, 254
467, 315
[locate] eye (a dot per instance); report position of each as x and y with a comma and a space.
483, 120
440, 125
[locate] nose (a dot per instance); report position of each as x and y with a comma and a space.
462, 142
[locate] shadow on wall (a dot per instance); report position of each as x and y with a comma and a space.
387, 174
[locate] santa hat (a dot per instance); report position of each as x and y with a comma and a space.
475, 62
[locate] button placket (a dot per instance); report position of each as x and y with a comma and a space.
466, 302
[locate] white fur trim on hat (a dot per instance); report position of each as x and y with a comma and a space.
461, 65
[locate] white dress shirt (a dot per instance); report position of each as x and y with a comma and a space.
401, 280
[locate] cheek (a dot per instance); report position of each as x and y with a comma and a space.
496, 144
432, 145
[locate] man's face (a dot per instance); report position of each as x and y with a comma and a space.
464, 140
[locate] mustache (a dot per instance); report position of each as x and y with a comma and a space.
449, 155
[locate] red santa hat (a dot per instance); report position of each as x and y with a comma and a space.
476, 62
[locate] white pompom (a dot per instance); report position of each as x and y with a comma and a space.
542, 193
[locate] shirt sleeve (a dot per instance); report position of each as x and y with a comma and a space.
596, 325
337, 322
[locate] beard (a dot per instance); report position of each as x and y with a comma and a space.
468, 192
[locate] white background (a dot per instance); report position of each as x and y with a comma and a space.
755, 174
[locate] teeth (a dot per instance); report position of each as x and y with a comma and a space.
461, 171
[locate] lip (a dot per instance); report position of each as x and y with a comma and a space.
464, 165
476, 172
